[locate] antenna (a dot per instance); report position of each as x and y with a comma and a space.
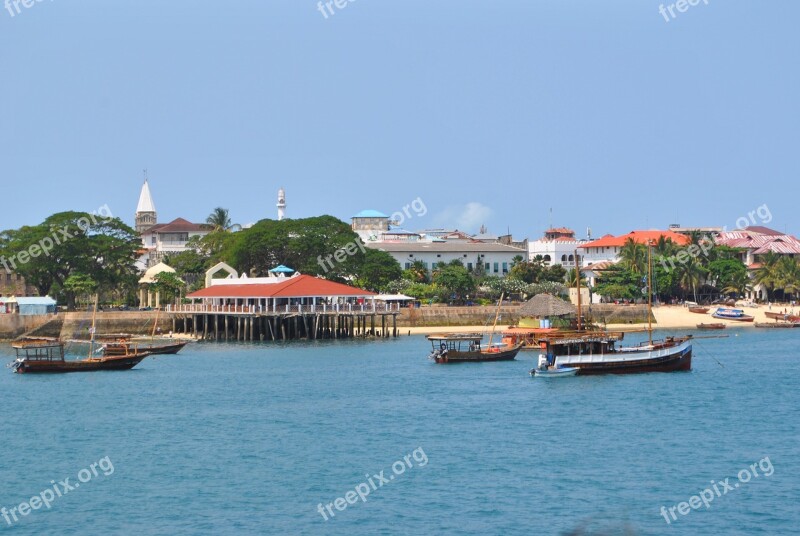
145, 174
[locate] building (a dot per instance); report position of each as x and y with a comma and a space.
281, 204
608, 247
161, 239
13, 284
494, 259
557, 246
756, 241
279, 293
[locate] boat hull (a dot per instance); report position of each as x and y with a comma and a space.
671, 359
711, 326
478, 357
557, 373
743, 318
83, 365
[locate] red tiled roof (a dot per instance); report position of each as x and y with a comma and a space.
642, 237
760, 242
301, 286
178, 225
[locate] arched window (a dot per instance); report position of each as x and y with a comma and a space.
546, 258
571, 258
563, 258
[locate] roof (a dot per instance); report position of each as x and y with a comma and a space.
393, 297
151, 273
178, 225
598, 266
641, 237
546, 305
445, 247
370, 214
399, 231
301, 286
35, 300
281, 269
145, 200
761, 240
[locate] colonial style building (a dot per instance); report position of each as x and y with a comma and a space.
494, 259
161, 239
557, 246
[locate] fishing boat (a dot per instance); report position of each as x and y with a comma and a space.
726, 313
467, 348
777, 324
718, 325
123, 346
699, 310
47, 355
36, 355
782, 316
596, 352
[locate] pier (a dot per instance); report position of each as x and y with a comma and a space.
289, 322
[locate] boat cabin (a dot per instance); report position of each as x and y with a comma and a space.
39, 350
467, 342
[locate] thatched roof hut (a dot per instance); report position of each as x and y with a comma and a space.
543, 305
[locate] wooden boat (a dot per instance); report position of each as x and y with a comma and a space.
777, 324
782, 316
699, 310
725, 313
466, 348
719, 325
123, 346
595, 352
36, 356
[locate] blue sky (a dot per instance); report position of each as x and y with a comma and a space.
490, 112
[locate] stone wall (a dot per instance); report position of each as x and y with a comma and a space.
457, 316
14, 325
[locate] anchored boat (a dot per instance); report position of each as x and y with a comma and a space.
466, 348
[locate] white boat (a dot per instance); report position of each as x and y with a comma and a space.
545, 370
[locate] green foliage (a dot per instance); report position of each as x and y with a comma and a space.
619, 282
78, 243
376, 271
455, 279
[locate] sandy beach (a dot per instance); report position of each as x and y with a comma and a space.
667, 317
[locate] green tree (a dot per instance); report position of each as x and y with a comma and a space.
376, 270
633, 256
455, 279
767, 274
80, 285
417, 272
76, 243
618, 282
169, 285
219, 220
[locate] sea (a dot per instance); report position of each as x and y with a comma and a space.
371, 437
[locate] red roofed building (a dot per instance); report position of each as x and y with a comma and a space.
298, 293
607, 248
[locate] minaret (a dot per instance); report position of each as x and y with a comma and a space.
145, 210
281, 204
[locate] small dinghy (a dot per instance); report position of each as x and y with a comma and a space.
546, 370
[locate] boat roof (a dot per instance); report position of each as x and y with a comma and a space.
579, 337
456, 337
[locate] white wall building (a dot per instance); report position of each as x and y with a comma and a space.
495, 259
557, 246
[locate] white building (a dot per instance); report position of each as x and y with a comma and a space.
495, 259
556, 247
160, 239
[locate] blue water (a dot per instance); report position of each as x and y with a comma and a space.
250, 438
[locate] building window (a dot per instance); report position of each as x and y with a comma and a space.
469, 266
487, 267
505, 267
408, 265
433, 266
496, 267
438, 254
571, 258
547, 259
8, 278
563, 258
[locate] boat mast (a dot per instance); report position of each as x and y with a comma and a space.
496, 314
650, 292
92, 330
578, 284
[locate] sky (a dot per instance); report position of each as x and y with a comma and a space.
515, 114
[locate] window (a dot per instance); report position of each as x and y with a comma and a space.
8, 278
408, 265
487, 267
469, 266
547, 258
438, 254
496, 267
571, 258
563, 258
505, 267
433, 266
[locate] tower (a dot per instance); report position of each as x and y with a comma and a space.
281, 204
145, 210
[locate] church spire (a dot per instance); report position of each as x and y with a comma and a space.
146, 209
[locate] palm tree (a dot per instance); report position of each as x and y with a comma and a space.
690, 275
633, 256
418, 272
767, 274
739, 285
787, 276
219, 220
